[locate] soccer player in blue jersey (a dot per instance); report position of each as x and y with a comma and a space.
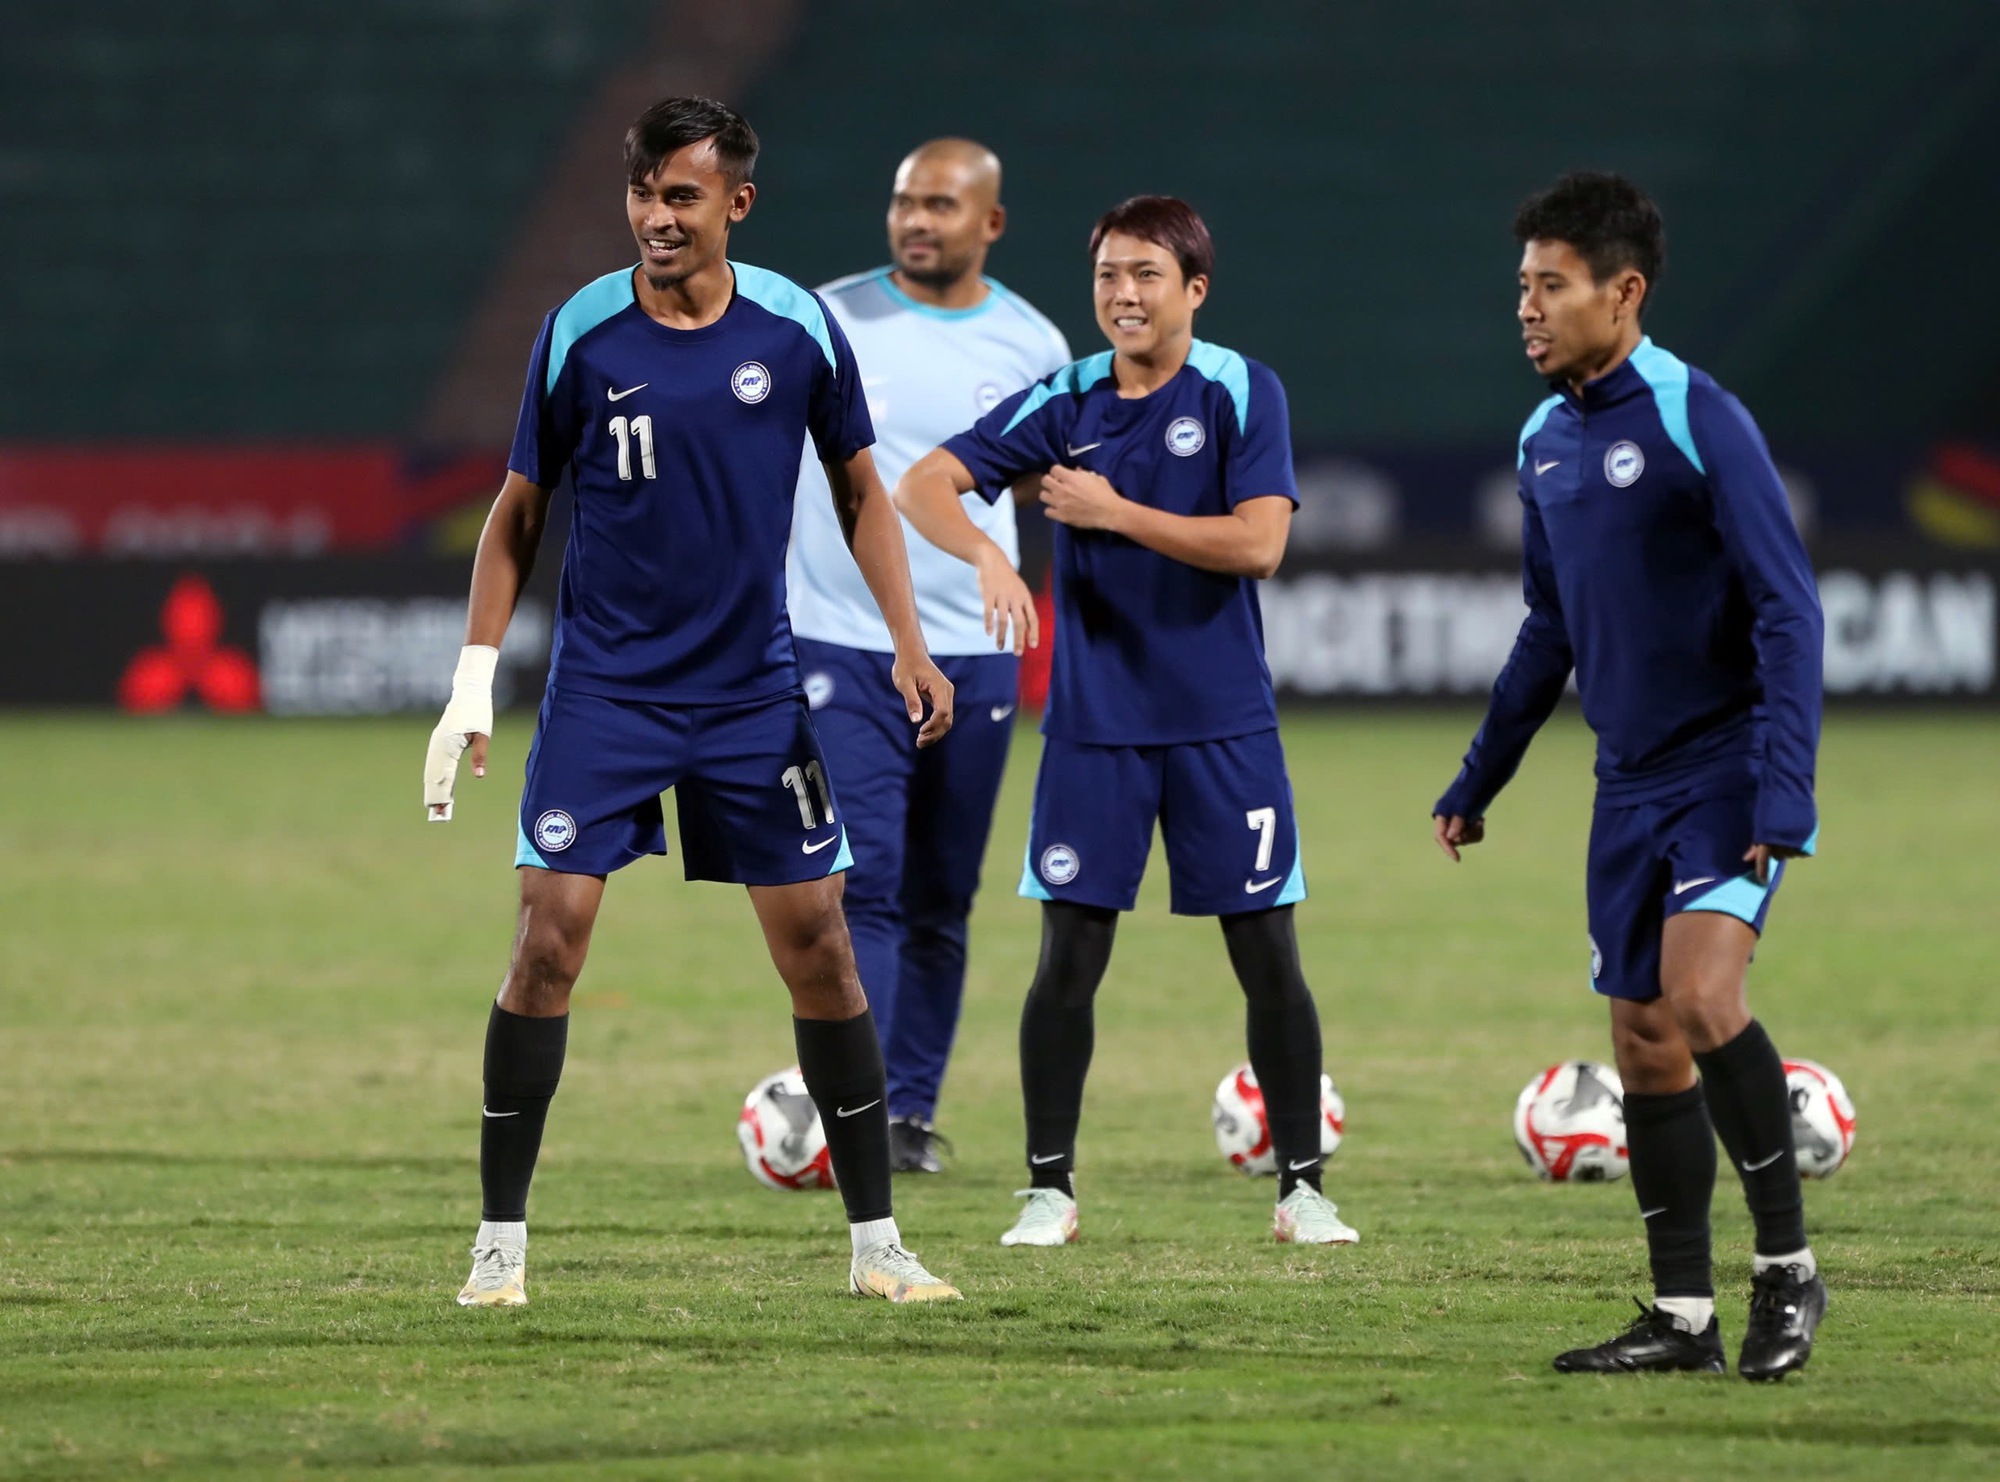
1662, 566
939, 344
1166, 464
676, 396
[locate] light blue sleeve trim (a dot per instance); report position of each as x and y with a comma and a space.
524, 852
787, 300
844, 860
1811, 845
1031, 885
1742, 897
1078, 375
1230, 370
1294, 889
1668, 376
587, 308
1532, 426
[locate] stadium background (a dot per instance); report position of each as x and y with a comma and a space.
268, 276
271, 275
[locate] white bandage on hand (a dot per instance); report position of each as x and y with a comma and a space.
469, 712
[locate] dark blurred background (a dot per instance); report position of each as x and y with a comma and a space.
269, 276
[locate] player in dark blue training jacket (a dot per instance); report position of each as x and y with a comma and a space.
1166, 464
1661, 564
677, 396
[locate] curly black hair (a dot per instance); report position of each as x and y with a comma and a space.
1612, 224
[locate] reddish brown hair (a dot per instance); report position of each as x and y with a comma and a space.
1166, 220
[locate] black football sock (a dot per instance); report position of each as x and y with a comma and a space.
1672, 1148
1744, 1081
841, 1060
1283, 1032
524, 1060
1058, 1033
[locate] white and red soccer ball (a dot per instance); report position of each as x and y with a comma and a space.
783, 1141
1569, 1122
1243, 1131
1822, 1118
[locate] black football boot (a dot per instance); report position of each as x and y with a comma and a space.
915, 1145
1654, 1344
1785, 1309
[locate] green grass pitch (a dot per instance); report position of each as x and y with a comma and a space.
242, 988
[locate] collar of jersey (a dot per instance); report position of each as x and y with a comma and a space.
931, 311
1620, 383
685, 336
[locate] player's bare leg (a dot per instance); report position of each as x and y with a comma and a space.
840, 1057
526, 1035
1704, 959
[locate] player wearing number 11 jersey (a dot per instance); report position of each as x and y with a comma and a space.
676, 396
1166, 464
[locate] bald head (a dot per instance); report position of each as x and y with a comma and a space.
945, 212
976, 167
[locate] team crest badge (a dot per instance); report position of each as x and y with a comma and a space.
987, 397
1596, 961
1060, 864
555, 831
819, 689
750, 381
1623, 464
1185, 437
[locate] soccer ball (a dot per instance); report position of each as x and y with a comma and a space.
1569, 1122
1243, 1133
1822, 1118
782, 1139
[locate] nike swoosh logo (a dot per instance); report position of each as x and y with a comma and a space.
610, 395
1051, 1158
1685, 885
815, 848
1764, 1162
1295, 1167
1084, 449
1646, 1214
1001, 712
485, 1113
843, 1111
1251, 887
1541, 468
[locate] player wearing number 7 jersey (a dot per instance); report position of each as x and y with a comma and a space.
1166, 464
677, 396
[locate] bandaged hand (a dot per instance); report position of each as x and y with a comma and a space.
467, 721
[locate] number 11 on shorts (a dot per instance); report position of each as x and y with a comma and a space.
796, 779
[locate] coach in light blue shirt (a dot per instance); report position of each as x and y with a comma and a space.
939, 345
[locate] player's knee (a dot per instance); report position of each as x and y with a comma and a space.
1651, 1056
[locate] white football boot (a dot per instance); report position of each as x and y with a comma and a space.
499, 1276
887, 1270
1049, 1218
1308, 1217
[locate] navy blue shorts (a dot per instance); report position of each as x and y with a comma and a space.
756, 805
1224, 809
1652, 861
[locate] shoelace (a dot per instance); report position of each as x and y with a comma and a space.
490, 1264
1769, 1291
899, 1263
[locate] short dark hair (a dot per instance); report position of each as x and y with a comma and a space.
1167, 220
675, 123
1610, 222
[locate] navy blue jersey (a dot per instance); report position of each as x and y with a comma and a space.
1661, 562
1149, 651
683, 448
